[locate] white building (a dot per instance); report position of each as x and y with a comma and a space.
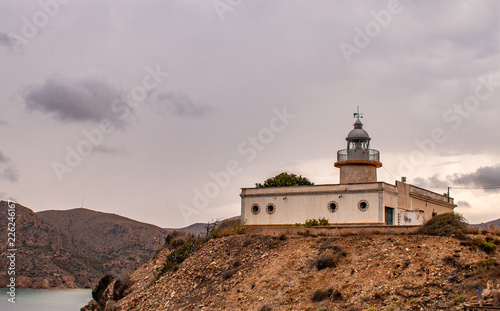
358, 199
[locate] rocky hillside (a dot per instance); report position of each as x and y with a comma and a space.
485, 225
109, 243
46, 256
351, 272
74, 248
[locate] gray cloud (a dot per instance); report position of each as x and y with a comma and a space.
178, 104
3, 158
464, 204
486, 176
10, 174
85, 98
431, 182
4, 39
3, 122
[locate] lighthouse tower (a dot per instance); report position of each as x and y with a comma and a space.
358, 163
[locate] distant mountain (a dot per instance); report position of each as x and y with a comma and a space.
46, 256
108, 242
494, 223
197, 228
74, 248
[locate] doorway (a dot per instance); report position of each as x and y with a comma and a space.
389, 216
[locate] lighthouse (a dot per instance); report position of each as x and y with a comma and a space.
358, 199
358, 163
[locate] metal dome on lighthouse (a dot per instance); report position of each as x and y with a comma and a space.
358, 163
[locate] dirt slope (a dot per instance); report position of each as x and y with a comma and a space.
247, 272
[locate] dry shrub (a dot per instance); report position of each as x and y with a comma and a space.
447, 224
322, 294
330, 258
331, 254
229, 227
453, 262
473, 230
229, 273
176, 239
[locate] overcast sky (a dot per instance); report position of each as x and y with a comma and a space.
162, 110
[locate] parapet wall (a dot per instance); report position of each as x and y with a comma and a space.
278, 230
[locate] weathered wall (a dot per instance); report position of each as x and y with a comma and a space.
332, 230
353, 174
297, 204
429, 208
415, 198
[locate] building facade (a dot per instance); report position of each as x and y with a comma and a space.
359, 199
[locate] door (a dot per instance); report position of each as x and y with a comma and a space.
389, 216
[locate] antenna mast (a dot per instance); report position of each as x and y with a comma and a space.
357, 114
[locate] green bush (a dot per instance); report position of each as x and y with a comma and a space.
311, 223
316, 222
486, 246
458, 300
323, 221
285, 180
179, 254
176, 239
488, 262
447, 224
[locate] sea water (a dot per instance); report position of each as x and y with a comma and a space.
46, 299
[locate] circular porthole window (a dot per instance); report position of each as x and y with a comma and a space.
363, 205
332, 206
270, 208
255, 209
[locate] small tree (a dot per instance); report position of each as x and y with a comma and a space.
211, 226
285, 180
